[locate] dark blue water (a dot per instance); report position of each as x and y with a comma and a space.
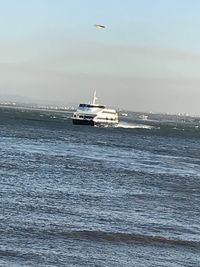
87, 196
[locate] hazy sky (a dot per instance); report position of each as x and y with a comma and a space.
146, 59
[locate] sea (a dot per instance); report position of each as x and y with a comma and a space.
120, 196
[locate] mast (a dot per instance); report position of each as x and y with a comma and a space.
94, 98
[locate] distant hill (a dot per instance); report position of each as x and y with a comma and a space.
31, 102
16, 98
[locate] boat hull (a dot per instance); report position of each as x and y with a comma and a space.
94, 123
83, 122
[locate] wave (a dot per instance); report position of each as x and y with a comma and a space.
128, 238
102, 236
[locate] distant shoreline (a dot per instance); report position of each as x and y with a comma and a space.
51, 108
21, 107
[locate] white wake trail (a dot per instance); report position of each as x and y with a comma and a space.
133, 126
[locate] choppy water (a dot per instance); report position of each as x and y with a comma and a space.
87, 196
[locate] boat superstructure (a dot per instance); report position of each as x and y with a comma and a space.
95, 114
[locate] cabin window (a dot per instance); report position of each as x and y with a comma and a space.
88, 117
109, 112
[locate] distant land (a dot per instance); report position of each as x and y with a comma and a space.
26, 102
16, 101
16, 98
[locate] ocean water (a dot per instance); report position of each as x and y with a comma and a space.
87, 196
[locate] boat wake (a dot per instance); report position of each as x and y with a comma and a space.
134, 126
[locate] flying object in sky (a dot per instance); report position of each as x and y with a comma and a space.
99, 26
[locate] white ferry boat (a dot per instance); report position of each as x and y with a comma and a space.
95, 114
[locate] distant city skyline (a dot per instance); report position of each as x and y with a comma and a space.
147, 58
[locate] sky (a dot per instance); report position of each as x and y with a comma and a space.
146, 59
